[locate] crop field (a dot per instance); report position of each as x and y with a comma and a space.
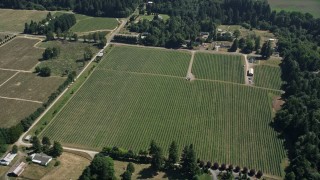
30, 86
12, 111
267, 76
13, 20
87, 23
4, 75
227, 123
310, 6
66, 60
218, 67
20, 54
147, 60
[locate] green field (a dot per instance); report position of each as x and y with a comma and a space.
147, 60
87, 23
14, 20
66, 60
267, 76
310, 6
30, 86
20, 54
218, 67
124, 107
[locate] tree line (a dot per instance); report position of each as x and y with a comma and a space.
185, 164
109, 8
56, 24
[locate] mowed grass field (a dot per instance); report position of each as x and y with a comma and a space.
20, 54
12, 111
87, 24
66, 60
267, 76
147, 60
218, 67
310, 6
14, 20
30, 86
124, 107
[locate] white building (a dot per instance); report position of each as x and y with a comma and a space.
250, 73
41, 159
7, 159
17, 170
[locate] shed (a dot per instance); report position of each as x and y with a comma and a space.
28, 138
7, 159
17, 170
250, 73
41, 159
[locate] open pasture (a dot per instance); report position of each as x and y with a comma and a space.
147, 60
20, 54
12, 111
227, 123
306, 6
87, 24
66, 61
267, 76
30, 86
219, 67
14, 20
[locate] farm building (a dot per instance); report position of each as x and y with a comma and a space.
17, 170
41, 159
250, 72
7, 159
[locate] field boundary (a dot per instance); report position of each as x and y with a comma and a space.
9, 79
19, 99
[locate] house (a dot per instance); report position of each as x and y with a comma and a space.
17, 170
204, 35
41, 159
7, 159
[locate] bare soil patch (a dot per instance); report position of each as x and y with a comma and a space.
277, 102
20, 54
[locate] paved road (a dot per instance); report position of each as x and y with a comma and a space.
91, 153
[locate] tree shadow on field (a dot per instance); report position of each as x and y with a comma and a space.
147, 173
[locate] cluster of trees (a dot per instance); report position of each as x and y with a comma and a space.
110, 8
96, 37
247, 45
50, 53
6, 39
46, 147
58, 24
12, 134
101, 167
43, 71
190, 17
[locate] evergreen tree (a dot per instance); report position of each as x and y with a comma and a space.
234, 46
157, 160
46, 141
36, 146
173, 155
14, 149
130, 167
266, 50
189, 161
126, 175
56, 150
49, 36
257, 42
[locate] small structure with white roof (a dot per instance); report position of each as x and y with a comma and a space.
7, 159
